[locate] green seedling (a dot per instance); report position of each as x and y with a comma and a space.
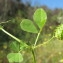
27, 25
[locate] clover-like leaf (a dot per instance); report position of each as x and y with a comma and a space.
15, 46
27, 25
40, 17
14, 57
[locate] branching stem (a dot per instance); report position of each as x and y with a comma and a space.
43, 43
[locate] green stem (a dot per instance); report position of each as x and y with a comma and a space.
37, 38
32, 50
43, 43
11, 35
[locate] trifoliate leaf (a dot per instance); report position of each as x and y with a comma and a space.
15, 57
40, 17
27, 25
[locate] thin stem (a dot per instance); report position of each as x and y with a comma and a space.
37, 38
43, 43
11, 35
5, 22
32, 50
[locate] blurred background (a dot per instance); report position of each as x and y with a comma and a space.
14, 11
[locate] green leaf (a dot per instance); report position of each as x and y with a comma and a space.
40, 17
27, 25
15, 46
14, 57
